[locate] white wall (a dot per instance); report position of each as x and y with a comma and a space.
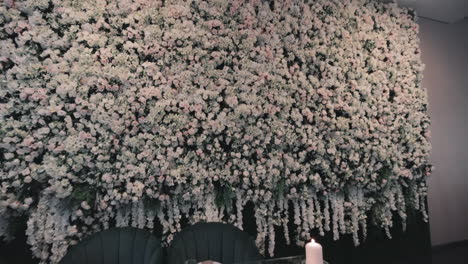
444, 10
444, 50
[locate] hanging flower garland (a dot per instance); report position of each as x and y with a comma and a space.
127, 113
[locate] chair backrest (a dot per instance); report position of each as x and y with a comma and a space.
126, 245
212, 241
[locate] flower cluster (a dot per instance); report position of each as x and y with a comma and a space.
132, 112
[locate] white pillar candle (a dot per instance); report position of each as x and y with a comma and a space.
314, 253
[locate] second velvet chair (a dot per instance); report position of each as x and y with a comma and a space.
212, 241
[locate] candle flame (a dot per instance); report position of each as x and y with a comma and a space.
313, 241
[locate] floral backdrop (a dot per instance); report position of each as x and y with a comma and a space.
136, 112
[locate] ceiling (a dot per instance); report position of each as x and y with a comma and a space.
448, 11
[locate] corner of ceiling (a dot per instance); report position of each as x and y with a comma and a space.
447, 11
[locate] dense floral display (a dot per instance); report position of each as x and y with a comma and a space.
137, 112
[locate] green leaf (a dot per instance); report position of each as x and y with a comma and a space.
83, 193
224, 197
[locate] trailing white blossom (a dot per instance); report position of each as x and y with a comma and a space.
49, 230
153, 113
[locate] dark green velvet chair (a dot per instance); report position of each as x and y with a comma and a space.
117, 246
212, 241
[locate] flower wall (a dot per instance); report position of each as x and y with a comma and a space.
128, 113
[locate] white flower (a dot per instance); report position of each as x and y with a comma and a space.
85, 205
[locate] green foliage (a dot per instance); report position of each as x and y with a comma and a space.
82, 193
369, 45
224, 196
